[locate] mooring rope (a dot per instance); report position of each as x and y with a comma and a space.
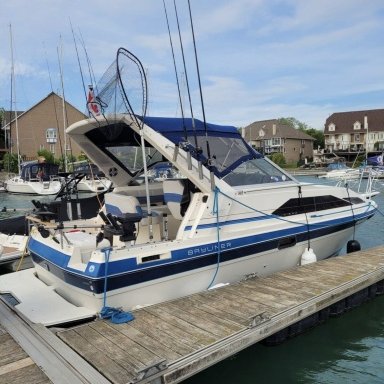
116, 315
216, 211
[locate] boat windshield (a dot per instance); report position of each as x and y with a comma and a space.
255, 171
132, 157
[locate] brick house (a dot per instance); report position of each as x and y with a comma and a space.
355, 131
270, 136
42, 127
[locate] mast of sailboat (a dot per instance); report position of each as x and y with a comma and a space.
14, 100
59, 54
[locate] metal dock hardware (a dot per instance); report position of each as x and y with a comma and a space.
258, 319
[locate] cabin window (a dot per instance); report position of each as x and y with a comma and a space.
297, 206
256, 171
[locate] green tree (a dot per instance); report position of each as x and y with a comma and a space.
10, 163
315, 133
278, 158
70, 159
49, 158
82, 157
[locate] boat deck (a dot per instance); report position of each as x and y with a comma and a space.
172, 341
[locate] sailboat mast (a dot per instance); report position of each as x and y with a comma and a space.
14, 99
63, 104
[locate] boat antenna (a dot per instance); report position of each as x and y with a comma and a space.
14, 99
197, 148
209, 160
78, 59
185, 144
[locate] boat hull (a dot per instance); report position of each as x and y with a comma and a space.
18, 185
134, 289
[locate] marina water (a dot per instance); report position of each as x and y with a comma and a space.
345, 349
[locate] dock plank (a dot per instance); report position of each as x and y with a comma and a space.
170, 335
146, 341
103, 362
10, 351
217, 325
30, 374
183, 336
134, 351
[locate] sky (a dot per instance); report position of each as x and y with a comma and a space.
257, 59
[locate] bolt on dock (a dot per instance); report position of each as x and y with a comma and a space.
171, 341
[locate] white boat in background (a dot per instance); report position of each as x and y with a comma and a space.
93, 181
36, 178
340, 171
233, 213
13, 253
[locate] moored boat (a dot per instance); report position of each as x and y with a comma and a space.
36, 178
226, 214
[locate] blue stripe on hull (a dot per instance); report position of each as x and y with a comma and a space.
169, 267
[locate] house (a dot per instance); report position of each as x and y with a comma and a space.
356, 131
42, 127
270, 136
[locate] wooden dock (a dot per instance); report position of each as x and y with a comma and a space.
169, 342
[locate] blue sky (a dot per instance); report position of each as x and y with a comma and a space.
258, 59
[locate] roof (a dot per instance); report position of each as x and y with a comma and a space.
8, 116
252, 131
21, 113
344, 121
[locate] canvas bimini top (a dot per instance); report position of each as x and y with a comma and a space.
220, 148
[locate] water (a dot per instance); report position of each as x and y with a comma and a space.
347, 349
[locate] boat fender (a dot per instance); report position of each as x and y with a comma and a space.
308, 256
353, 246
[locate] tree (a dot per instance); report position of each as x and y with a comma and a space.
49, 158
278, 158
315, 133
10, 163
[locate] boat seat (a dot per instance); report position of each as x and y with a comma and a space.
177, 196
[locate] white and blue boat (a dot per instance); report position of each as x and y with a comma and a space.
193, 207
219, 223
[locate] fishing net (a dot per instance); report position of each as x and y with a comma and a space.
122, 88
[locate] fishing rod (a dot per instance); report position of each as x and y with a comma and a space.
93, 85
78, 59
185, 144
197, 148
209, 160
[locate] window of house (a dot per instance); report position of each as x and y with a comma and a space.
51, 135
357, 125
357, 137
331, 127
276, 141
